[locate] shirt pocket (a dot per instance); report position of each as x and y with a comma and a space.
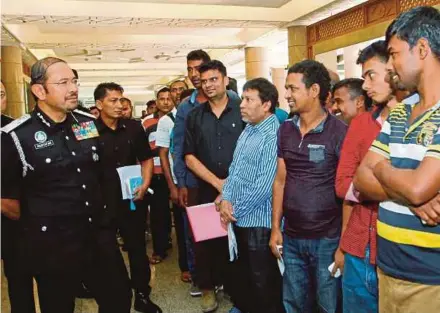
316, 153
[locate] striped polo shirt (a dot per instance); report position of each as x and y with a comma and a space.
407, 249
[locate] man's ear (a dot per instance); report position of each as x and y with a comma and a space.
267, 105
226, 80
360, 102
423, 48
315, 89
98, 104
39, 91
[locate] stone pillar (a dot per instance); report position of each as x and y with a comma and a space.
297, 42
351, 69
279, 80
12, 77
256, 62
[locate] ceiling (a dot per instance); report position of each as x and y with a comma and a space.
250, 3
142, 44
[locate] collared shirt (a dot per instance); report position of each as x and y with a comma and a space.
212, 140
311, 209
281, 115
164, 136
251, 174
407, 249
361, 228
149, 123
184, 177
126, 145
56, 173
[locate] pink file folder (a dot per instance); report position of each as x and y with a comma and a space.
205, 222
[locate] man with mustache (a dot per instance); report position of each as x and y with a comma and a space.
53, 163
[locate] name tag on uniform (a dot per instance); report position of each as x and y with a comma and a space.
85, 130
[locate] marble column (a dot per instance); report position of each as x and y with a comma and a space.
12, 77
297, 43
257, 62
279, 80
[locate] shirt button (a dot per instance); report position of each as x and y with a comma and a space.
219, 163
67, 137
90, 219
73, 153
116, 148
93, 148
44, 228
105, 207
83, 186
78, 170
87, 203
219, 148
48, 160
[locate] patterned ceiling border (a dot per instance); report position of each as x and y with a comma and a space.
134, 22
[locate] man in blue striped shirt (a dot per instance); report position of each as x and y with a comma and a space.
247, 201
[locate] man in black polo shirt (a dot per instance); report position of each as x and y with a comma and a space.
304, 192
123, 142
212, 131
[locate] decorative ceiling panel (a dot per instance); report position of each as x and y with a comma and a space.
249, 3
122, 46
133, 22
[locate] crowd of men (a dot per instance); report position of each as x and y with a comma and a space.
344, 194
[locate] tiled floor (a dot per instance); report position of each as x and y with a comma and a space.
168, 291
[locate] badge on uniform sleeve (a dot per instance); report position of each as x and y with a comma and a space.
85, 130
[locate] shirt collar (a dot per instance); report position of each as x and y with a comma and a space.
264, 126
193, 97
102, 126
318, 129
47, 121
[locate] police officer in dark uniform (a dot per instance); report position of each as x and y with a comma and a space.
123, 143
20, 284
54, 164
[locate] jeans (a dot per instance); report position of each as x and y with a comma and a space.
359, 285
307, 282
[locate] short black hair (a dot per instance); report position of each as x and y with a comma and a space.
150, 103
101, 90
419, 22
179, 81
162, 90
75, 72
198, 55
266, 91
354, 87
313, 72
376, 49
232, 85
213, 65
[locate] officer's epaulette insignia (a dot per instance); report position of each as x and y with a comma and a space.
15, 123
84, 113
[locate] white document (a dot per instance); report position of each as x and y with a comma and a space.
281, 265
233, 249
125, 174
338, 271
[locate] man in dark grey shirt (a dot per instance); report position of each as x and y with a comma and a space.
304, 192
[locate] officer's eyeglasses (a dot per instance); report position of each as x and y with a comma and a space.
65, 82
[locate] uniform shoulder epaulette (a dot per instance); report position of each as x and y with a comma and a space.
16, 123
84, 113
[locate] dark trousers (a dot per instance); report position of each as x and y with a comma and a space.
132, 228
107, 275
178, 214
257, 284
212, 258
20, 282
60, 251
160, 215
